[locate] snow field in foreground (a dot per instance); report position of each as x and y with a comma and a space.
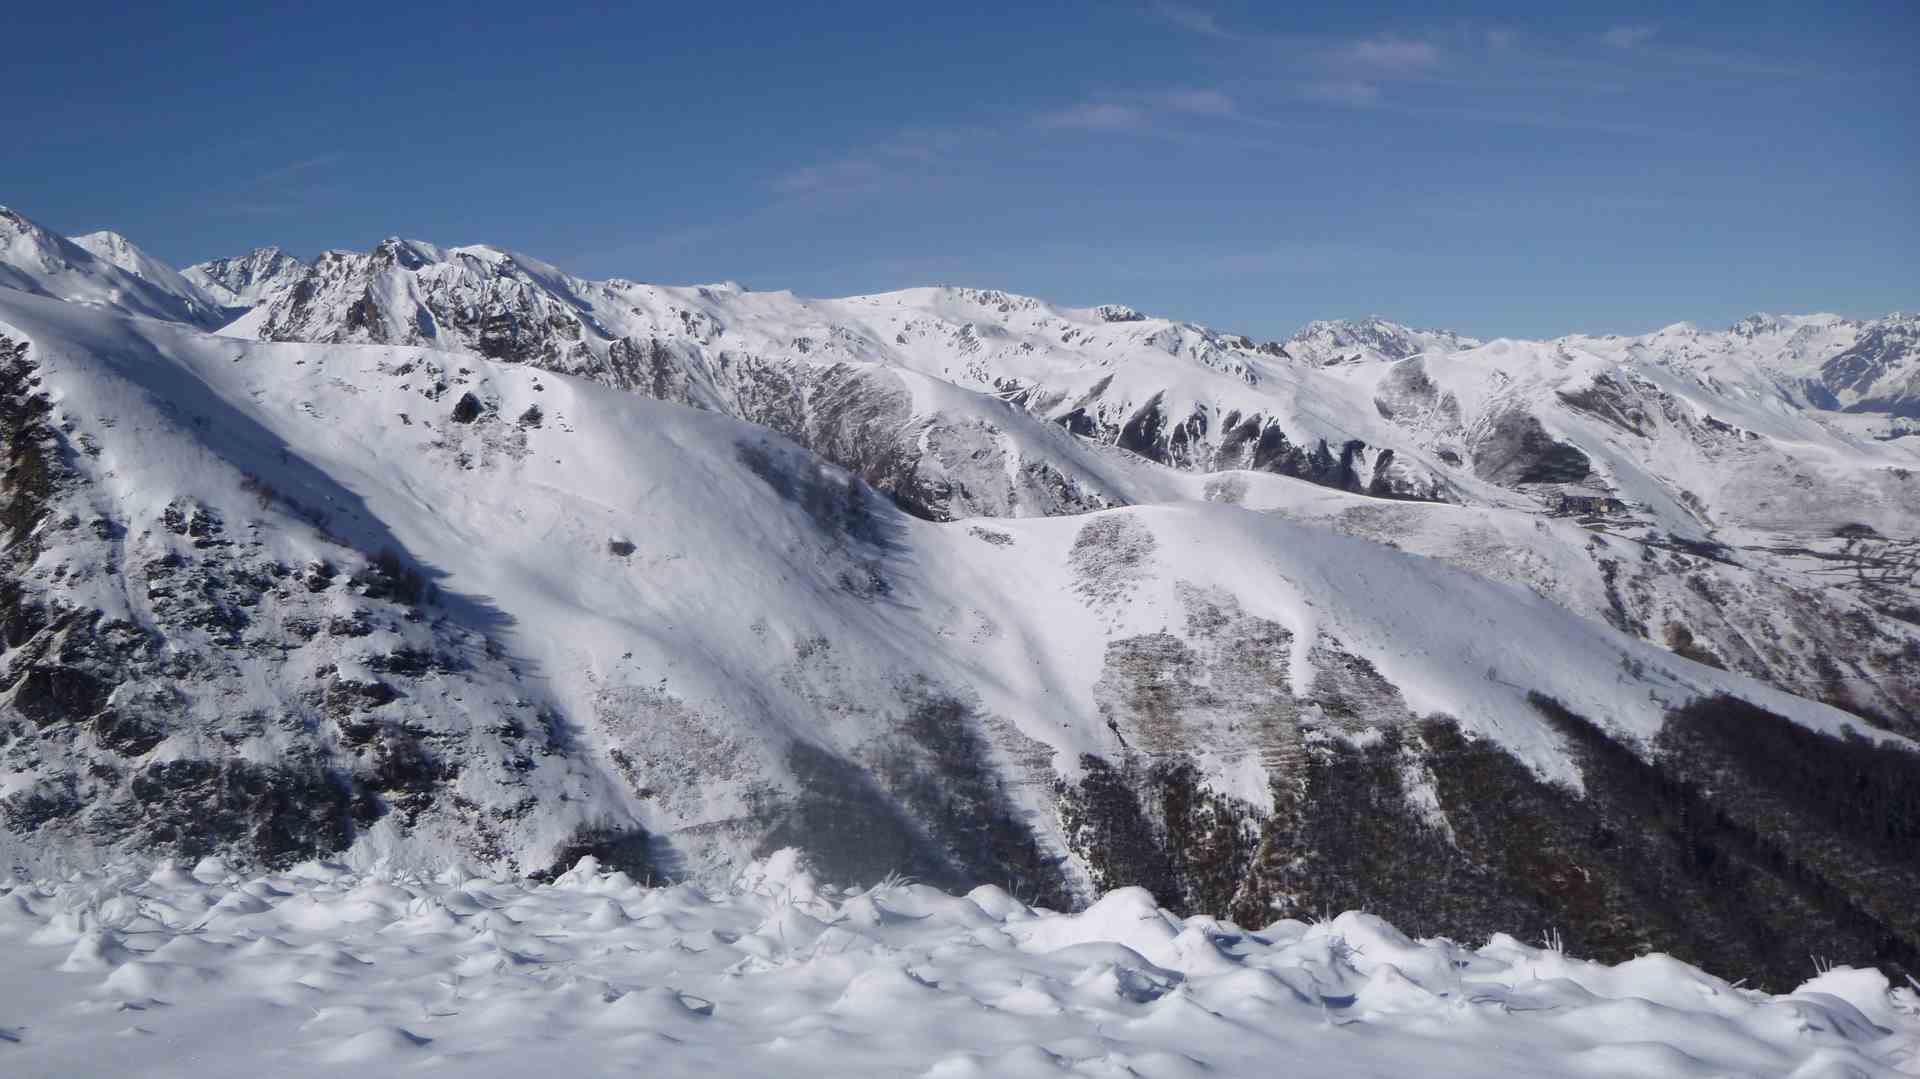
319, 971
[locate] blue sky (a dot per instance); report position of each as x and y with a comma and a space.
1252, 166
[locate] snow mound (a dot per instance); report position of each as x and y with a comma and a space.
303, 972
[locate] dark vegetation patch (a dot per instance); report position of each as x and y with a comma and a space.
1681, 640
1751, 845
1746, 845
1151, 822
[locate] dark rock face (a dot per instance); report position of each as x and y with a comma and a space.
1882, 369
1516, 449
467, 409
50, 693
192, 808
1608, 400
134, 740
1252, 442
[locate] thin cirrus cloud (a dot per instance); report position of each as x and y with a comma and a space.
283, 189
903, 156
1395, 53
1194, 19
1629, 36
1341, 92
1094, 116
1138, 112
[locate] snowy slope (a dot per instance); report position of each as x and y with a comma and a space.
103, 269
670, 636
318, 971
442, 550
969, 403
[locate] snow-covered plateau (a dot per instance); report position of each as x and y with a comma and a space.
391, 578
317, 970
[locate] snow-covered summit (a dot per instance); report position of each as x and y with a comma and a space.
1370, 339
248, 280
101, 268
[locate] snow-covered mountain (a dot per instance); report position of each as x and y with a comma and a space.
1368, 340
1881, 371
429, 556
248, 280
101, 268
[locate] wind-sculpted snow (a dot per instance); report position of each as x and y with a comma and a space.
321, 970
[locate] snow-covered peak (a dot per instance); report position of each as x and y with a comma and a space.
1371, 338
101, 268
125, 254
249, 279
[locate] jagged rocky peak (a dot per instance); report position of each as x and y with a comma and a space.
1881, 371
1371, 338
13, 223
249, 279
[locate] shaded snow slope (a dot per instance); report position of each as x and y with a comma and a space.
319, 970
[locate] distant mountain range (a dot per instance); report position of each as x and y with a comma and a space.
428, 553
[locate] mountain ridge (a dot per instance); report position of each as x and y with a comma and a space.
890, 579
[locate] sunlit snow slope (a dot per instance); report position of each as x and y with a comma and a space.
440, 553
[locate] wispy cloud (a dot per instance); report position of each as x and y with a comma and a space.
1349, 93
1396, 53
901, 156
1196, 20
1629, 35
1094, 116
280, 189
296, 168
1140, 111
1194, 102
